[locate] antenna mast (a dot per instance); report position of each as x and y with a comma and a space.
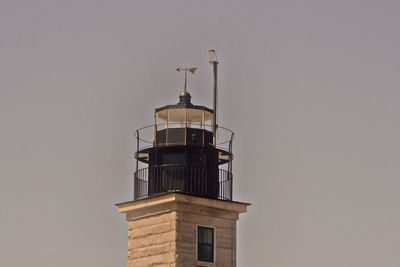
212, 57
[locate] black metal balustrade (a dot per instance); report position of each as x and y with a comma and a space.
177, 178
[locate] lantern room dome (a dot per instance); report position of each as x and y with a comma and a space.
184, 98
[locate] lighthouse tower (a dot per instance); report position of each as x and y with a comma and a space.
183, 213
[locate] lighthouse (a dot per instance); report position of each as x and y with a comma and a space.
183, 213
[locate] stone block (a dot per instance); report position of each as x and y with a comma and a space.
155, 239
155, 260
158, 228
141, 252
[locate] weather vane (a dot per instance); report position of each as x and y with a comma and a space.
191, 70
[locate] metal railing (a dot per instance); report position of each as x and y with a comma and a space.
145, 136
185, 179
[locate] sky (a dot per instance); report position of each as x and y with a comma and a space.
311, 89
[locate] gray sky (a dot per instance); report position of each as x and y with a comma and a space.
311, 89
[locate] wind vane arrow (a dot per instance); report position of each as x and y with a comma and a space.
191, 70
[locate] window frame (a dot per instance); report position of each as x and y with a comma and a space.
206, 263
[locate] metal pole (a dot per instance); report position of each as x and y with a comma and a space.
185, 79
215, 124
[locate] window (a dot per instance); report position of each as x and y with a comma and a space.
208, 121
161, 119
177, 118
194, 118
205, 244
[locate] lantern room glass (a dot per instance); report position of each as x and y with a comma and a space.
177, 118
194, 118
208, 121
161, 119
184, 118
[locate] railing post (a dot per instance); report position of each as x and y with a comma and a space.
134, 186
230, 175
135, 183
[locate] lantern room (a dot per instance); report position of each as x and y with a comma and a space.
181, 153
183, 124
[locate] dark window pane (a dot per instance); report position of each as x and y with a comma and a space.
174, 158
161, 137
176, 136
205, 244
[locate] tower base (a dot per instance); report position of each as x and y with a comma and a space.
163, 230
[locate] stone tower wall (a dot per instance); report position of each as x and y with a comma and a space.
162, 230
152, 240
